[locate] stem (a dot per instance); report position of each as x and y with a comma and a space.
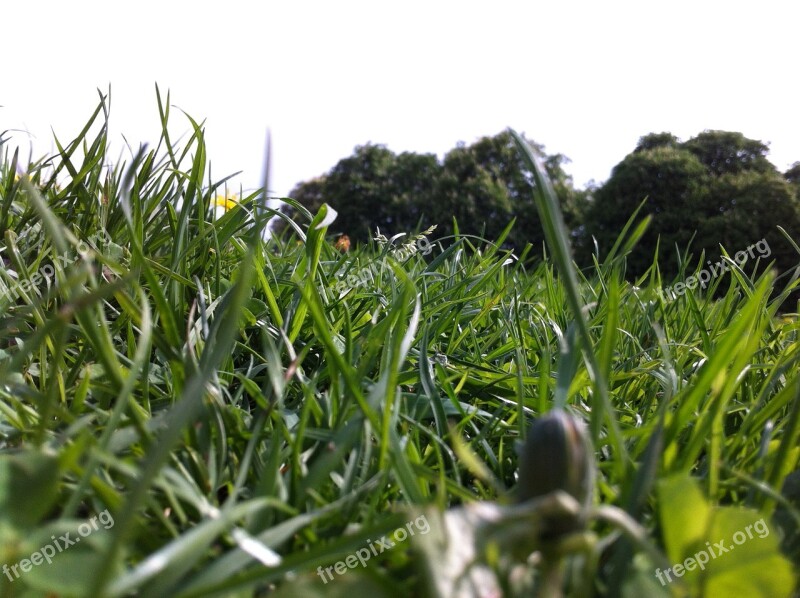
552, 577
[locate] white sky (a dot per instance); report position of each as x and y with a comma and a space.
586, 79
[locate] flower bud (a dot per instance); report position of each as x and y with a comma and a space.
557, 455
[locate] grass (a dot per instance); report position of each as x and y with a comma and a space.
245, 420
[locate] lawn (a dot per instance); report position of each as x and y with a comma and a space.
190, 407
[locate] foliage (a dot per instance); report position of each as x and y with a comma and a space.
793, 173
246, 422
728, 152
793, 176
742, 208
711, 567
654, 140
482, 186
674, 183
374, 188
717, 188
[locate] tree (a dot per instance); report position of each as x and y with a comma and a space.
487, 184
311, 194
483, 186
411, 189
793, 174
745, 207
724, 152
373, 188
672, 179
718, 186
654, 140
473, 194
793, 177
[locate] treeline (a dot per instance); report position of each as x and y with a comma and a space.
716, 188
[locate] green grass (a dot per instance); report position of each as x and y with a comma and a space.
214, 392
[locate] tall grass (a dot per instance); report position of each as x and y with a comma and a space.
245, 422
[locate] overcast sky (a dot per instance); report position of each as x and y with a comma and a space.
586, 79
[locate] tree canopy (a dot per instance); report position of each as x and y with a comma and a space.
482, 186
793, 174
726, 152
674, 182
715, 188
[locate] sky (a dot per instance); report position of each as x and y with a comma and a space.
586, 79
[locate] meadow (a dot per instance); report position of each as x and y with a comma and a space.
189, 407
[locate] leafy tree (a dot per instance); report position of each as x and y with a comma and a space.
311, 194
793, 174
373, 188
717, 187
745, 207
654, 140
724, 152
411, 190
483, 186
473, 194
672, 179
498, 155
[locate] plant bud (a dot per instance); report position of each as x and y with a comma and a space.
557, 455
